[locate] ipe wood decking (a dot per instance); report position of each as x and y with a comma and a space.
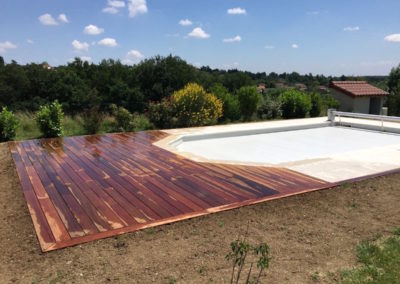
80, 189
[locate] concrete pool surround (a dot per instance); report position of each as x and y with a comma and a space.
344, 149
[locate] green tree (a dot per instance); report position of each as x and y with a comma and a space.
249, 100
316, 105
159, 77
295, 104
123, 119
161, 113
92, 116
231, 106
270, 108
393, 102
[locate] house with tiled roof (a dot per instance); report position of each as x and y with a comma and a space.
358, 96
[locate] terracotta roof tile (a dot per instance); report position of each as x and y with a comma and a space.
358, 88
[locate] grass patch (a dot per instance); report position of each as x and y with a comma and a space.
380, 262
73, 126
27, 128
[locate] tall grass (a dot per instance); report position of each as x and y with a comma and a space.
27, 126
73, 125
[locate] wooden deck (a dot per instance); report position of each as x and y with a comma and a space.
80, 189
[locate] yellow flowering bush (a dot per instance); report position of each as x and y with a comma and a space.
193, 106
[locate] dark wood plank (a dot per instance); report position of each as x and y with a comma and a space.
103, 185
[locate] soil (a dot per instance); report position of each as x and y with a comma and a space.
312, 238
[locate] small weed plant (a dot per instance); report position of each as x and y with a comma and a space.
242, 253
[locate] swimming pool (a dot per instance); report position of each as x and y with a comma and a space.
285, 146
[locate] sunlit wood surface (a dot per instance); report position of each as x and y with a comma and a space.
80, 189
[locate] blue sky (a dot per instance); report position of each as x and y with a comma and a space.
351, 37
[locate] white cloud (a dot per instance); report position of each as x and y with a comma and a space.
237, 11
80, 46
352, 29
110, 42
62, 18
185, 22
136, 7
4, 46
313, 13
47, 20
233, 39
116, 3
199, 33
110, 10
393, 38
93, 30
133, 56
294, 45
269, 47
86, 58
29, 41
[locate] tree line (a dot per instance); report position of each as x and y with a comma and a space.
27, 87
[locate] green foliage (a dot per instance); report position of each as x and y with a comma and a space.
92, 120
49, 119
269, 108
380, 262
73, 125
393, 101
8, 125
141, 122
316, 105
231, 106
28, 129
295, 104
160, 113
193, 106
159, 77
242, 251
249, 99
93, 117
123, 119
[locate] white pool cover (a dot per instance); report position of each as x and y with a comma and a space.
288, 146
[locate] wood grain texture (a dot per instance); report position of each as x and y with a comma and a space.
80, 189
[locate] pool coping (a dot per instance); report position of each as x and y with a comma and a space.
306, 166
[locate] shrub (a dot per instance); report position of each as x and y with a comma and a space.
295, 104
269, 108
193, 106
231, 106
316, 105
92, 120
249, 99
8, 125
92, 117
160, 113
141, 122
123, 119
49, 119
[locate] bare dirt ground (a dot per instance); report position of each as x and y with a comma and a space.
312, 237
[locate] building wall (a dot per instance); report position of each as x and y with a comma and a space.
361, 105
346, 102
